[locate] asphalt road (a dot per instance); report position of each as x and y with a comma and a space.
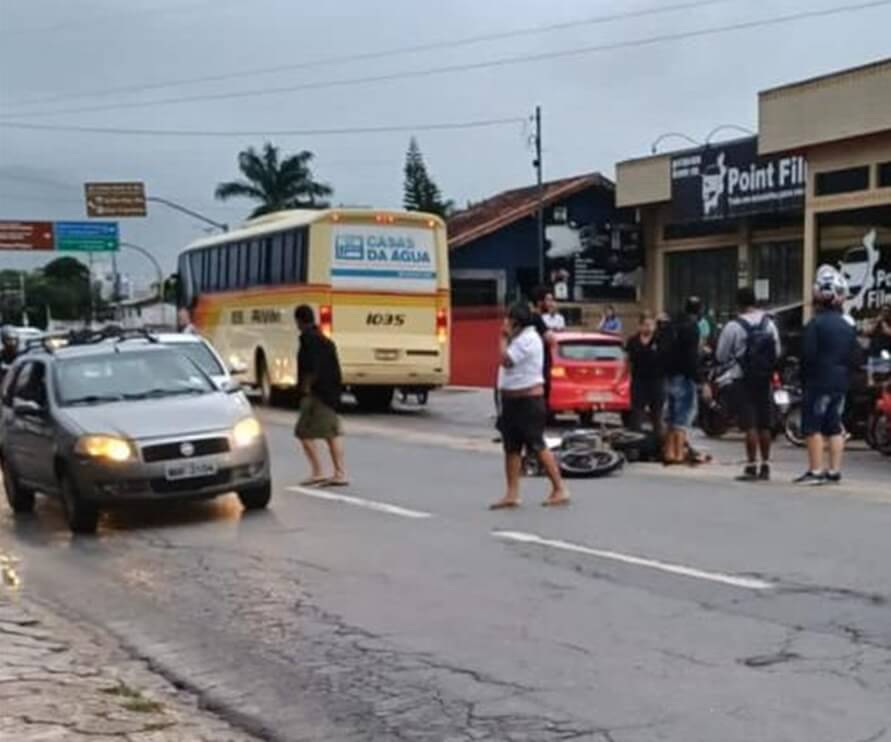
660, 606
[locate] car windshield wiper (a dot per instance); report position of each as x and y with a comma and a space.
153, 393
94, 399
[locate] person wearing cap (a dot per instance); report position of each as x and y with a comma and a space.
523, 414
829, 352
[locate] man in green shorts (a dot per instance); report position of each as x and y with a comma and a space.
319, 384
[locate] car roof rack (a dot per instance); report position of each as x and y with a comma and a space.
89, 336
44, 342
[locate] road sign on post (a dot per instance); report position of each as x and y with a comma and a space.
87, 236
115, 199
26, 235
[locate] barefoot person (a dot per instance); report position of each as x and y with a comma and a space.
523, 408
319, 384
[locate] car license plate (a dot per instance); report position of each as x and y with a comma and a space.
190, 470
781, 397
599, 396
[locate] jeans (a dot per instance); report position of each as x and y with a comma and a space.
680, 402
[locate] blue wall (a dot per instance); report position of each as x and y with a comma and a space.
514, 247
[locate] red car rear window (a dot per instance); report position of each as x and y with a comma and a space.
590, 350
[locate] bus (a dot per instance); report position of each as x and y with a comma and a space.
377, 279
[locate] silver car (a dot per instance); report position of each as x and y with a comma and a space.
103, 423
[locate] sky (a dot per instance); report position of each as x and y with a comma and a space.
598, 107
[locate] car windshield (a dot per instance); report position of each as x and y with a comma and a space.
590, 350
130, 375
201, 355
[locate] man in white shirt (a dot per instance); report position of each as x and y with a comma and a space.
524, 409
547, 308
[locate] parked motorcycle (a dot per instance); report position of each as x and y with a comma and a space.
878, 426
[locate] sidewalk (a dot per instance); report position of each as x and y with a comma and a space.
60, 681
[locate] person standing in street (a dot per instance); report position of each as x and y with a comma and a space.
680, 350
10, 350
610, 322
749, 347
320, 386
523, 408
829, 352
647, 376
547, 308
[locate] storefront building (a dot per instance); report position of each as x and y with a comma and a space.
814, 186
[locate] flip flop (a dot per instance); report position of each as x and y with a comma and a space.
549, 503
313, 482
335, 483
505, 505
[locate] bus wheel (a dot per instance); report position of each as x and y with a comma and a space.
374, 398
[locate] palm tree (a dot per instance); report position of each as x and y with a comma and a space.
277, 185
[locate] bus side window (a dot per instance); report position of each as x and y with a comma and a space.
255, 263
242, 264
289, 259
196, 270
301, 251
232, 266
274, 247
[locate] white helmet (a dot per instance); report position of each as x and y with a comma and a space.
830, 286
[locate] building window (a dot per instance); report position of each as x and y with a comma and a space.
777, 272
842, 181
885, 175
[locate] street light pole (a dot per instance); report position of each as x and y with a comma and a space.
142, 251
178, 207
540, 186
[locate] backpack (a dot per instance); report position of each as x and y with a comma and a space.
759, 360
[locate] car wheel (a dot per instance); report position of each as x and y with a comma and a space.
83, 517
20, 499
256, 498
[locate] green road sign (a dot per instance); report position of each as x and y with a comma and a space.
87, 236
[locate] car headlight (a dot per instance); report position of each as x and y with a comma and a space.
105, 447
246, 432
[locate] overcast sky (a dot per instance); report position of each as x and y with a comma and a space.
598, 107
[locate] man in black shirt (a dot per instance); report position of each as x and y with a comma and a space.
647, 375
9, 351
319, 384
680, 345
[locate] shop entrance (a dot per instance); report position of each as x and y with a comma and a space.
710, 274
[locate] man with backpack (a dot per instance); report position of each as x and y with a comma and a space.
749, 346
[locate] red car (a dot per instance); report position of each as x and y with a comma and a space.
589, 374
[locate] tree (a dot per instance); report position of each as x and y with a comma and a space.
420, 192
275, 184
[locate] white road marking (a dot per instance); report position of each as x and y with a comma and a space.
749, 583
361, 502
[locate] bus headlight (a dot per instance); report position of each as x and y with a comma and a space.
246, 432
107, 447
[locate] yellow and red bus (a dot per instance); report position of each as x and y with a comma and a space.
378, 280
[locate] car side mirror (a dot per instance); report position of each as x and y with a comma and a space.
28, 408
237, 369
230, 386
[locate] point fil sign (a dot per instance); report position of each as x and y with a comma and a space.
729, 180
383, 258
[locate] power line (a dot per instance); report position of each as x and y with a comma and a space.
383, 54
490, 64
31, 126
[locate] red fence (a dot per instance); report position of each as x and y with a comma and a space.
475, 345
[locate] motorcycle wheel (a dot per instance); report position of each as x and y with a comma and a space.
579, 463
713, 422
792, 426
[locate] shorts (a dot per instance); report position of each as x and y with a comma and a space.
821, 413
680, 402
317, 420
522, 423
752, 401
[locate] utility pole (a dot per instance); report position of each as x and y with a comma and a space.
540, 210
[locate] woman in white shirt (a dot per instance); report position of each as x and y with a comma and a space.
524, 408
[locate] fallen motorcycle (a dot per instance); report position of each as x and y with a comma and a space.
584, 453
